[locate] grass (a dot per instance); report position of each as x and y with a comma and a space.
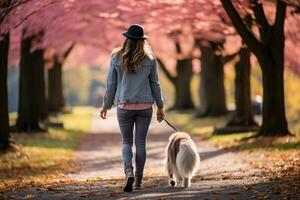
204, 127
276, 156
291, 89
43, 157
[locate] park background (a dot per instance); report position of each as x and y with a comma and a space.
65, 48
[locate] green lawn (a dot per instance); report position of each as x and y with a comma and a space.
204, 128
42, 157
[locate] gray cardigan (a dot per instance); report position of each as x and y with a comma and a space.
141, 87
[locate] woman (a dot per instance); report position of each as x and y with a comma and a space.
132, 84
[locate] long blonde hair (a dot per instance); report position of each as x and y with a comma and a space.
133, 52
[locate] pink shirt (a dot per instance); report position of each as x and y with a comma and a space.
135, 106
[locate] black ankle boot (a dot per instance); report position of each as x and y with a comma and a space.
138, 181
129, 179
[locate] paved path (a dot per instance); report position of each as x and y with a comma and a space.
100, 156
100, 152
222, 174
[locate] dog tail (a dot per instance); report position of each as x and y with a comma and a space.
187, 159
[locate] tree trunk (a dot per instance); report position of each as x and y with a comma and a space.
4, 119
181, 83
243, 115
55, 88
183, 97
40, 76
212, 91
31, 98
270, 55
274, 119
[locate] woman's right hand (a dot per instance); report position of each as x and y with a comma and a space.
160, 114
103, 113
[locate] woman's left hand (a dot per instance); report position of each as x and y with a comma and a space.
103, 113
160, 114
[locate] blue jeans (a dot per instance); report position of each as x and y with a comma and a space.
141, 120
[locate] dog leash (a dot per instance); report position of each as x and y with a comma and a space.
173, 127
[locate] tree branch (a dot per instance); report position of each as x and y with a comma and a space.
68, 51
32, 13
166, 72
178, 48
251, 41
280, 17
9, 8
261, 19
260, 14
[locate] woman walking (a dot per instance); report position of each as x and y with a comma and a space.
133, 85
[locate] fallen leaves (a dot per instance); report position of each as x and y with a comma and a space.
29, 196
279, 167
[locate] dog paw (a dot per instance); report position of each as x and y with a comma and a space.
172, 183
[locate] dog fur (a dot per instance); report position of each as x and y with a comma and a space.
182, 159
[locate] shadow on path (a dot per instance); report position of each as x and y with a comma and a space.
222, 174
99, 154
155, 187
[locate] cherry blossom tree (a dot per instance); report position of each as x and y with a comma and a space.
32, 94
50, 25
53, 25
203, 22
268, 47
6, 7
55, 99
184, 71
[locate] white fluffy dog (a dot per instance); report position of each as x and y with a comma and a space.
182, 159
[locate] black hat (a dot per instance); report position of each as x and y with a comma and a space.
135, 31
